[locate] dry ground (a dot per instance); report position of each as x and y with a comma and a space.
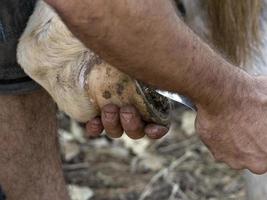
178, 167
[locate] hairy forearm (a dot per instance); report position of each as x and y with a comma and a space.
147, 40
201, 73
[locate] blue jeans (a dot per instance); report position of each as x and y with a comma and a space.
2, 195
14, 15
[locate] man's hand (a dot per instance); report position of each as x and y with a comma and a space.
127, 119
115, 121
236, 132
161, 50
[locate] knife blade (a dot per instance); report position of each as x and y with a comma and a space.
178, 98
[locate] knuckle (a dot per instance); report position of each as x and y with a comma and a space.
236, 166
232, 163
110, 108
258, 168
128, 109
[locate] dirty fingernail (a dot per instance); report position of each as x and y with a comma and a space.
127, 116
110, 115
95, 122
156, 131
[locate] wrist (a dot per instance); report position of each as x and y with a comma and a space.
232, 92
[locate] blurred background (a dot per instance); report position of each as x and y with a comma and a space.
177, 167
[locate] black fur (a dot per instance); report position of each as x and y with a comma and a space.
181, 8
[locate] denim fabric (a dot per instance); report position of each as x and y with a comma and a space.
2, 195
14, 15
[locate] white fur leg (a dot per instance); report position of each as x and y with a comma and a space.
54, 58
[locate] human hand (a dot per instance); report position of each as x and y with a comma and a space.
231, 109
127, 119
65, 78
235, 132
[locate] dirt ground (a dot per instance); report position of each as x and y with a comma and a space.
177, 167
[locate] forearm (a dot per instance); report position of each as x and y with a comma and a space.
170, 56
155, 46
200, 72
146, 39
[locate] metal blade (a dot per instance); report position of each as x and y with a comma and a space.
178, 98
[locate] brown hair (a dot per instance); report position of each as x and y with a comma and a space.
234, 26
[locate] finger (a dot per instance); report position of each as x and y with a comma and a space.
94, 127
235, 165
155, 131
256, 164
131, 122
258, 169
111, 121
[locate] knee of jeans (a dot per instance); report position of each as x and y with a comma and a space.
2, 195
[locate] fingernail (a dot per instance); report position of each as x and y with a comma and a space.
96, 122
110, 115
94, 127
156, 130
127, 116
164, 129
